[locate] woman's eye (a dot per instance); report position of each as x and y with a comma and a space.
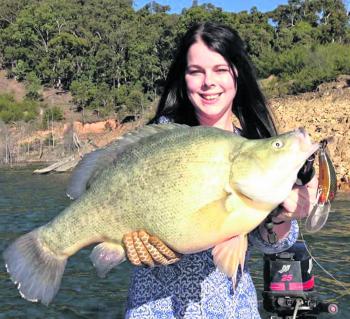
222, 70
194, 72
277, 144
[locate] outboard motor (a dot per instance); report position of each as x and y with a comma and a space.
289, 285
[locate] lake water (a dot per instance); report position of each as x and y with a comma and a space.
28, 201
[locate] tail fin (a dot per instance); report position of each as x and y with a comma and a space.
35, 270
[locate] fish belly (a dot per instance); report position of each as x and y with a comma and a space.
157, 187
160, 191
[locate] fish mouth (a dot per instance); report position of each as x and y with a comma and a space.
306, 144
315, 148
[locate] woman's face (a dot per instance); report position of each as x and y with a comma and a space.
211, 85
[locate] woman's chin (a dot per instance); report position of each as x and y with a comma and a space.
212, 113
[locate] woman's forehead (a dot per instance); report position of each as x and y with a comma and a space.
199, 54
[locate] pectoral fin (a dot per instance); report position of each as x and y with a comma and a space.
105, 256
229, 254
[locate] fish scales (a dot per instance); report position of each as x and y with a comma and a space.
193, 187
111, 207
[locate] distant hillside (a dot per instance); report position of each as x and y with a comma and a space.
323, 113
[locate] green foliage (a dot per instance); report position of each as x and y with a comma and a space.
83, 91
33, 86
205, 12
130, 100
110, 55
323, 21
322, 64
20, 70
303, 68
134, 102
53, 114
121, 95
274, 87
12, 111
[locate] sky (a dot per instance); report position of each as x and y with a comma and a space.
226, 5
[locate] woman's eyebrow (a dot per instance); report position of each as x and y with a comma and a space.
201, 67
193, 66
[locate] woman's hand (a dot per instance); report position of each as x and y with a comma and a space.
300, 202
298, 205
143, 249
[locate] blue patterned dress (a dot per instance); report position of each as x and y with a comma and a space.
194, 288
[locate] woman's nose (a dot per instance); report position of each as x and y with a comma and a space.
209, 79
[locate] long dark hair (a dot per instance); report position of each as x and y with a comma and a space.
249, 104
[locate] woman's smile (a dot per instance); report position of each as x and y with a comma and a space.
210, 97
211, 85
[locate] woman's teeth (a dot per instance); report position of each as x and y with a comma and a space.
210, 97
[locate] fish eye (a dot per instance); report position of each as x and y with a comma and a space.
277, 144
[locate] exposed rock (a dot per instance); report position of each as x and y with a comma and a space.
94, 128
325, 113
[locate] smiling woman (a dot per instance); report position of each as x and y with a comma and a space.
211, 86
210, 80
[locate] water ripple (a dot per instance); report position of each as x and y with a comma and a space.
84, 295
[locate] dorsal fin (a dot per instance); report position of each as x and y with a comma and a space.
92, 164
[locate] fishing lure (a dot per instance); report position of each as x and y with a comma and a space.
327, 188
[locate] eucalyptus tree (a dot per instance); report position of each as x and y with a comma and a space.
256, 31
329, 18
151, 53
333, 20
110, 24
9, 9
41, 39
201, 13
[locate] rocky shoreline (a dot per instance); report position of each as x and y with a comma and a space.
324, 113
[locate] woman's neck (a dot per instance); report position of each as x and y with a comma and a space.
224, 122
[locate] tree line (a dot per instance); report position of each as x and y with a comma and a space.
114, 58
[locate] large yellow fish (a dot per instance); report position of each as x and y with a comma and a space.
193, 187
